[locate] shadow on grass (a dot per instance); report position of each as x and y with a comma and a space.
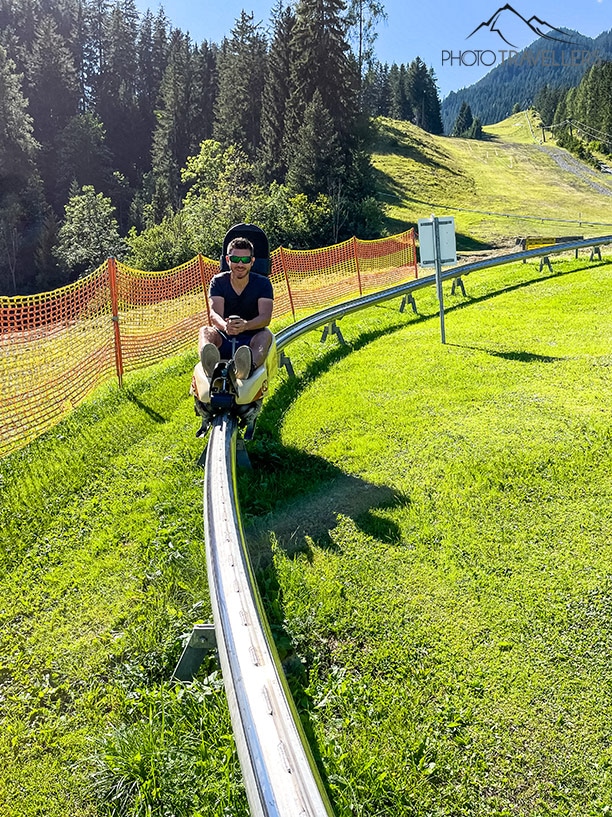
154, 415
297, 495
520, 357
309, 519
468, 243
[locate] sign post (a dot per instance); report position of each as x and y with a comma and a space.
438, 247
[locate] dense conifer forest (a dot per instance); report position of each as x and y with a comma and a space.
121, 136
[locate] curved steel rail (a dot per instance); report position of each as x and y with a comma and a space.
280, 774
293, 332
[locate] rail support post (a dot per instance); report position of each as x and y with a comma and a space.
242, 455
284, 361
408, 300
545, 261
201, 642
595, 252
457, 282
332, 329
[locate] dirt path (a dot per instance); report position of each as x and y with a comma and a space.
577, 168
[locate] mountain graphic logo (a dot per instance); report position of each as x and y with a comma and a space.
506, 17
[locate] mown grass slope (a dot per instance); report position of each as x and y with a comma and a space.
459, 631
490, 185
432, 526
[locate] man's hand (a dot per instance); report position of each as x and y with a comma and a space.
235, 325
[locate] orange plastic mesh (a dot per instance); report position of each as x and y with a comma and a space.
383, 263
319, 277
57, 347
160, 312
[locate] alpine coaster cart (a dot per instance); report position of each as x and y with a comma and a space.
224, 392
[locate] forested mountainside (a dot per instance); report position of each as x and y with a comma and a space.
517, 81
103, 108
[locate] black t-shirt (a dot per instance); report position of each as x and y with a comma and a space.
244, 304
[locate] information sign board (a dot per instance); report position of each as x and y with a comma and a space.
427, 241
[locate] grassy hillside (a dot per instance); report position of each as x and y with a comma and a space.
489, 186
433, 528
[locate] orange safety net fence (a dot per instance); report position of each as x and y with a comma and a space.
160, 312
57, 347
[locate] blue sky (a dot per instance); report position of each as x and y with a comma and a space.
437, 32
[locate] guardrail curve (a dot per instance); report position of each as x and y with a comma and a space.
280, 774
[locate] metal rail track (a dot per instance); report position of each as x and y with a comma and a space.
280, 774
326, 316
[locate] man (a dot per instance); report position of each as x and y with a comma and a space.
241, 303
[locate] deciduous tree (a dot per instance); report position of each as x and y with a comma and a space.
89, 234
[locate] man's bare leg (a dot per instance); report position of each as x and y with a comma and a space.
208, 334
260, 345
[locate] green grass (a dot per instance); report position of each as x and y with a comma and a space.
505, 173
458, 635
432, 530
103, 571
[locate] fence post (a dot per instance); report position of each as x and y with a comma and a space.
355, 245
282, 260
204, 287
414, 253
112, 277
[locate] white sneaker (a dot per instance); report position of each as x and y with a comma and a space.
209, 357
242, 362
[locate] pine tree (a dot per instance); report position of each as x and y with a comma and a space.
464, 120
53, 92
422, 97
78, 37
321, 61
399, 105
152, 57
174, 139
546, 102
206, 83
242, 67
433, 107
96, 23
51, 83
375, 90
363, 15
603, 115
317, 162
18, 147
117, 89
475, 130
22, 209
82, 156
276, 95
